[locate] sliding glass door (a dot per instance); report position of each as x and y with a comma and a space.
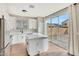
58, 29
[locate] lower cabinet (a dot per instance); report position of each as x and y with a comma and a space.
36, 46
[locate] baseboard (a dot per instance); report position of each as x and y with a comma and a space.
70, 54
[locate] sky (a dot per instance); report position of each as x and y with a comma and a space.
59, 19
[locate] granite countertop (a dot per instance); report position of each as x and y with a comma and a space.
36, 36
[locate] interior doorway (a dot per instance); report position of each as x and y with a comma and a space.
2, 36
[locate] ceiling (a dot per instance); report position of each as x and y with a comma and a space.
39, 10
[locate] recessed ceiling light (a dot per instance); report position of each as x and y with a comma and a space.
24, 11
31, 6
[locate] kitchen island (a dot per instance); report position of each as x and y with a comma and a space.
36, 43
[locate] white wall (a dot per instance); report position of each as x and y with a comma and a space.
2, 9
10, 23
40, 25
45, 22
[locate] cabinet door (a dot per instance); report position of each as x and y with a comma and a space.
33, 46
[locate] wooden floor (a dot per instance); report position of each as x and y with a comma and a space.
54, 50
20, 50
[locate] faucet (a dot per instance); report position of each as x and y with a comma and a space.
21, 31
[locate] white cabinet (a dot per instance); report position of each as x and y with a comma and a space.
18, 37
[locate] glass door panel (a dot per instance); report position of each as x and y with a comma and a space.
63, 30
48, 27
54, 26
